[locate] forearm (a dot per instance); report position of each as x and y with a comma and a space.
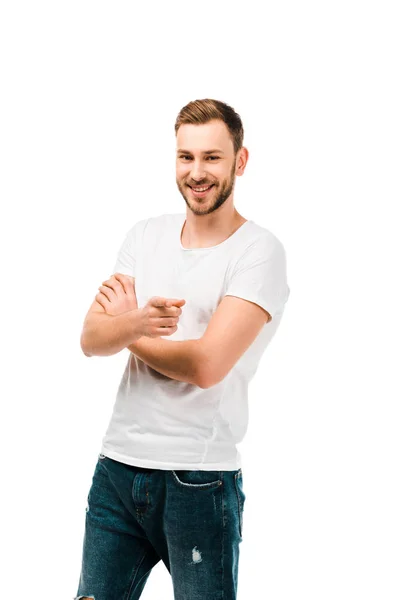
179, 360
105, 335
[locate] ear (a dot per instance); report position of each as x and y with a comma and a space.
242, 160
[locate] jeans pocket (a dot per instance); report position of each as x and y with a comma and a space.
197, 479
241, 497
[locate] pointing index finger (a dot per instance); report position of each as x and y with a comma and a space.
167, 302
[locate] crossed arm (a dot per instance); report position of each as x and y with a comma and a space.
181, 360
207, 360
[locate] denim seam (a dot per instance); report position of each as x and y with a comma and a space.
210, 485
147, 490
135, 572
237, 475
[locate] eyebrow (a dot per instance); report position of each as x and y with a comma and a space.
216, 150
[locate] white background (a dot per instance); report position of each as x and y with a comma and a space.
90, 93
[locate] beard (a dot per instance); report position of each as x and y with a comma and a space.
221, 196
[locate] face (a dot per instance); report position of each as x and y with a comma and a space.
205, 158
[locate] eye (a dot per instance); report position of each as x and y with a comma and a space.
184, 156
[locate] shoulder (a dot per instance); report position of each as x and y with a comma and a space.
260, 244
263, 237
161, 222
136, 231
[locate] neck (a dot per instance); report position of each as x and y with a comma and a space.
205, 231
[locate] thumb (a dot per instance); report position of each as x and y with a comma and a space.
158, 301
175, 302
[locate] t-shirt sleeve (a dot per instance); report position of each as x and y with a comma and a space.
260, 275
126, 257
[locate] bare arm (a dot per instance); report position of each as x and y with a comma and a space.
114, 320
206, 361
105, 335
179, 360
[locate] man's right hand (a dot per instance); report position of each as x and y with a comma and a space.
160, 316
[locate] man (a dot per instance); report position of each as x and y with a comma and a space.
168, 484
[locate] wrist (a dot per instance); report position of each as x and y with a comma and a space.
136, 324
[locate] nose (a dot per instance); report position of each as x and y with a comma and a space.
197, 173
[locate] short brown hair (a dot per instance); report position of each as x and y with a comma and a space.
203, 111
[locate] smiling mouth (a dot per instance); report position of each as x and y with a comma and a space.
201, 190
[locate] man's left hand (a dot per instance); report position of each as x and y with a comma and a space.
117, 295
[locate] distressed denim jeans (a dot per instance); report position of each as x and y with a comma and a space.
191, 520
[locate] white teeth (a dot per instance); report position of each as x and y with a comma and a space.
201, 189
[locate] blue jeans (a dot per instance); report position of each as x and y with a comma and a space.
192, 520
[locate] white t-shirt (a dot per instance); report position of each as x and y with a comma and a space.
162, 423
